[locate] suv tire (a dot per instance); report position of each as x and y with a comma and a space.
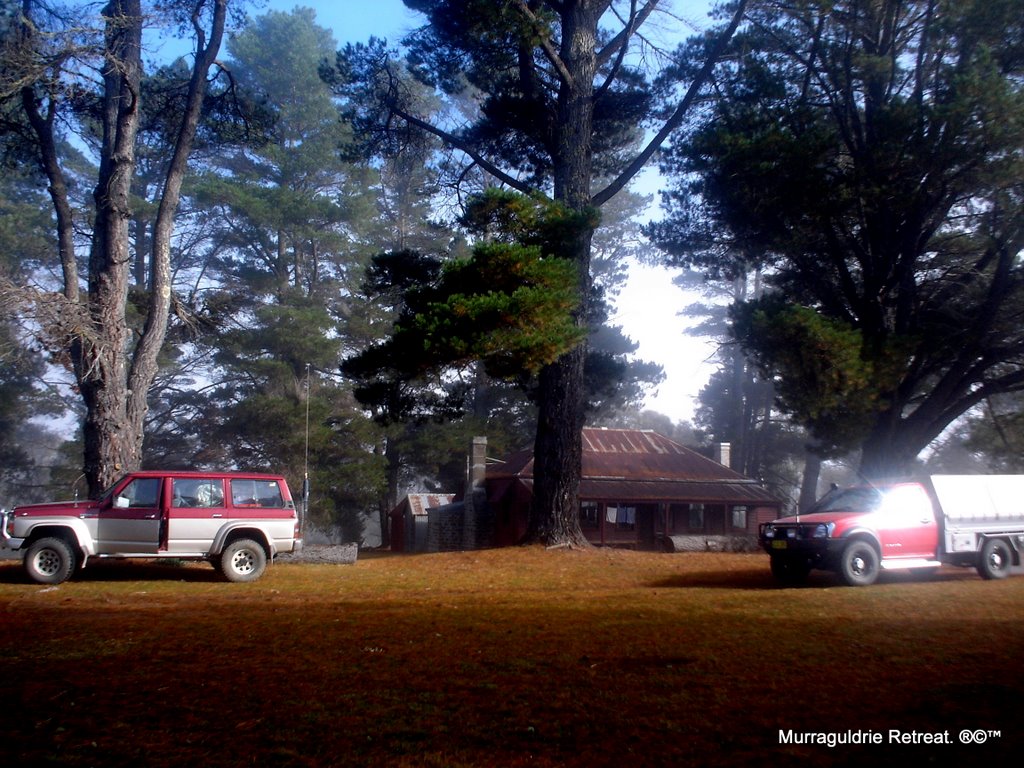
49, 561
243, 560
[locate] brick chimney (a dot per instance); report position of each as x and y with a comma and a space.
723, 454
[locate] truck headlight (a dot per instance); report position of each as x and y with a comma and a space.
823, 530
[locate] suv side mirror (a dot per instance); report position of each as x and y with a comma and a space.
121, 502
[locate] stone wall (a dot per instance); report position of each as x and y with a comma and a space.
710, 543
445, 528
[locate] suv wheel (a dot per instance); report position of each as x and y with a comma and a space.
50, 561
243, 560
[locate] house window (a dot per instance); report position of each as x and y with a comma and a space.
739, 517
590, 516
696, 517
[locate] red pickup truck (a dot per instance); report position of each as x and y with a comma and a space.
237, 521
965, 520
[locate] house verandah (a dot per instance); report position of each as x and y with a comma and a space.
639, 489
708, 522
667, 525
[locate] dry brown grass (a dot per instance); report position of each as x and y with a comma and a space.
503, 658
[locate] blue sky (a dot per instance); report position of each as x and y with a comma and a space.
353, 21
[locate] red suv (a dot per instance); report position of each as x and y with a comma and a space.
238, 521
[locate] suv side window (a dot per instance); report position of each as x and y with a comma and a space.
141, 492
202, 492
256, 493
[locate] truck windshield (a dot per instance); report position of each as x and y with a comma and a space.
848, 500
110, 489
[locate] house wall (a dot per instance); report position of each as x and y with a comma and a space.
649, 526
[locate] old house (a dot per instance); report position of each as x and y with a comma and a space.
639, 489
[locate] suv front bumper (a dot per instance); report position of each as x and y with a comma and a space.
6, 540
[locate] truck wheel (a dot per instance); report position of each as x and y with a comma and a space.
995, 559
50, 561
789, 570
243, 560
859, 564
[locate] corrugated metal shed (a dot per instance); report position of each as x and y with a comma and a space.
409, 520
419, 503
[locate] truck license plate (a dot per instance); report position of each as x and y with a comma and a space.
779, 544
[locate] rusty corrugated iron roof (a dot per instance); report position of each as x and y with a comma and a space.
642, 465
419, 503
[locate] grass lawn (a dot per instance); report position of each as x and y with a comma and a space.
514, 657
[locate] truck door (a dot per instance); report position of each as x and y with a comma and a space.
907, 525
197, 513
131, 522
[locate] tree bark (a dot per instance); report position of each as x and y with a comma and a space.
101, 362
144, 364
809, 483
558, 448
113, 371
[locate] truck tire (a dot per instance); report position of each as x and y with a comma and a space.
243, 560
49, 561
995, 559
789, 570
858, 564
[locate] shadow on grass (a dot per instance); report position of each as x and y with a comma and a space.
762, 580
11, 572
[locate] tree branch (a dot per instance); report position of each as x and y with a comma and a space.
677, 116
545, 43
618, 44
452, 140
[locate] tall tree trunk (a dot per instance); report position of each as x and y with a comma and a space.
101, 365
558, 454
558, 449
886, 455
113, 372
145, 362
809, 483
392, 471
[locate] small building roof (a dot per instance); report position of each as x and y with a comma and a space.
419, 503
634, 465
